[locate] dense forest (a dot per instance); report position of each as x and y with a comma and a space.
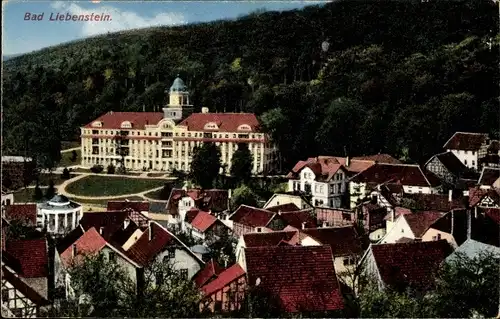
397, 76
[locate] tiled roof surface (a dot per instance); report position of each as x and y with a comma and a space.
379, 158
466, 141
138, 206
494, 146
489, 175
111, 221
31, 254
452, 163
421, 221
89, 243
270, 239
324, 167
493, 214
114, 120
405, 174
211, 199
403, 240
412, 264
144, 250
472, 249
121, 236
223, 279
459, 221
21, 212
227, 122
343, 240
191, 215
251, 216
476, 194
289, 207
203, 221
303, 278
398, 211
436, 201
69, 239
296, 219
208, 273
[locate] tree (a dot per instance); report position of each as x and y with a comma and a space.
223, 249
50, 191
65, 173
111, 169
244, 195
242, 163
97, 169
37, 195
74, 156
205, 165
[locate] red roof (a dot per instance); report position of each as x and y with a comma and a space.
398, 211
295, 219
203, 221
303, 278
210, 199
493, 214
251, 216
436, 201
489, 175
208, 273
226, 122
114, 120
343, 240
466, 141
379, 158
89, 243
21, 212
411, 175
413, 264
138, 206
289, 207
477, 194
31, 254
421, 221
225, 278
270, 239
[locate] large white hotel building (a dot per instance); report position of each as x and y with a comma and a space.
164, 141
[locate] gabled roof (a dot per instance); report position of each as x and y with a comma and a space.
421, 221
88, 244
32, 256
406, 174
297, 195
210, 199
289, 207
144, 250
22, 212
223, 279
413, 264
23, 288
489, 175
201, 220
297, 219
379, 158
208, 273
477, 194
251, 216
494, 146
302, 277
69, 239
138, 206
472, 249
270, 239
226, 122
451, 163
111, 222
398, 211
139, 120
466, 141
343, 240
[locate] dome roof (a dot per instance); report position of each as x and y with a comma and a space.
178, 86
59, 199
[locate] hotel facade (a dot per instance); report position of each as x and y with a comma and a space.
165, 141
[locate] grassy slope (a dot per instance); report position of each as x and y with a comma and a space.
112, 185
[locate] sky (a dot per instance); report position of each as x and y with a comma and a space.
22, 36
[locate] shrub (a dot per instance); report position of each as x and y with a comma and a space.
111, 169
65, 174
97, 169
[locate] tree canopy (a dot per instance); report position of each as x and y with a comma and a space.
242, 163
205, 165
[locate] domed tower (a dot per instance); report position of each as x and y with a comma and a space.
178, 106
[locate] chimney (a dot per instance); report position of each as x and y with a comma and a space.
324, 224
347, 161
452, 221
450, 195
100, 230
73, 253
150, 231
110, 112
303, 225
204, 110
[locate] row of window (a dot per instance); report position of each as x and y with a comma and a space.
177, 134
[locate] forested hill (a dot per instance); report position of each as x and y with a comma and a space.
398, 77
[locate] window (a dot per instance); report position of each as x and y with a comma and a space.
465, 162
218, 305
348, 261
184, 274
402, 230
5, 295
473, 162
438, 236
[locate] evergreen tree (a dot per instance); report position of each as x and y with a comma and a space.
242, 163
244, 195
65, 173
74, 156
51, 190
111, 169
205, 165
37, 195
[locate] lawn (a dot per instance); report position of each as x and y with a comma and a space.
66, 158
95, 185
43, 179
26, 195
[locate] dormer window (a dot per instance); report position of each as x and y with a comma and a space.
126, 124
97, 124
211, 126
244, 127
